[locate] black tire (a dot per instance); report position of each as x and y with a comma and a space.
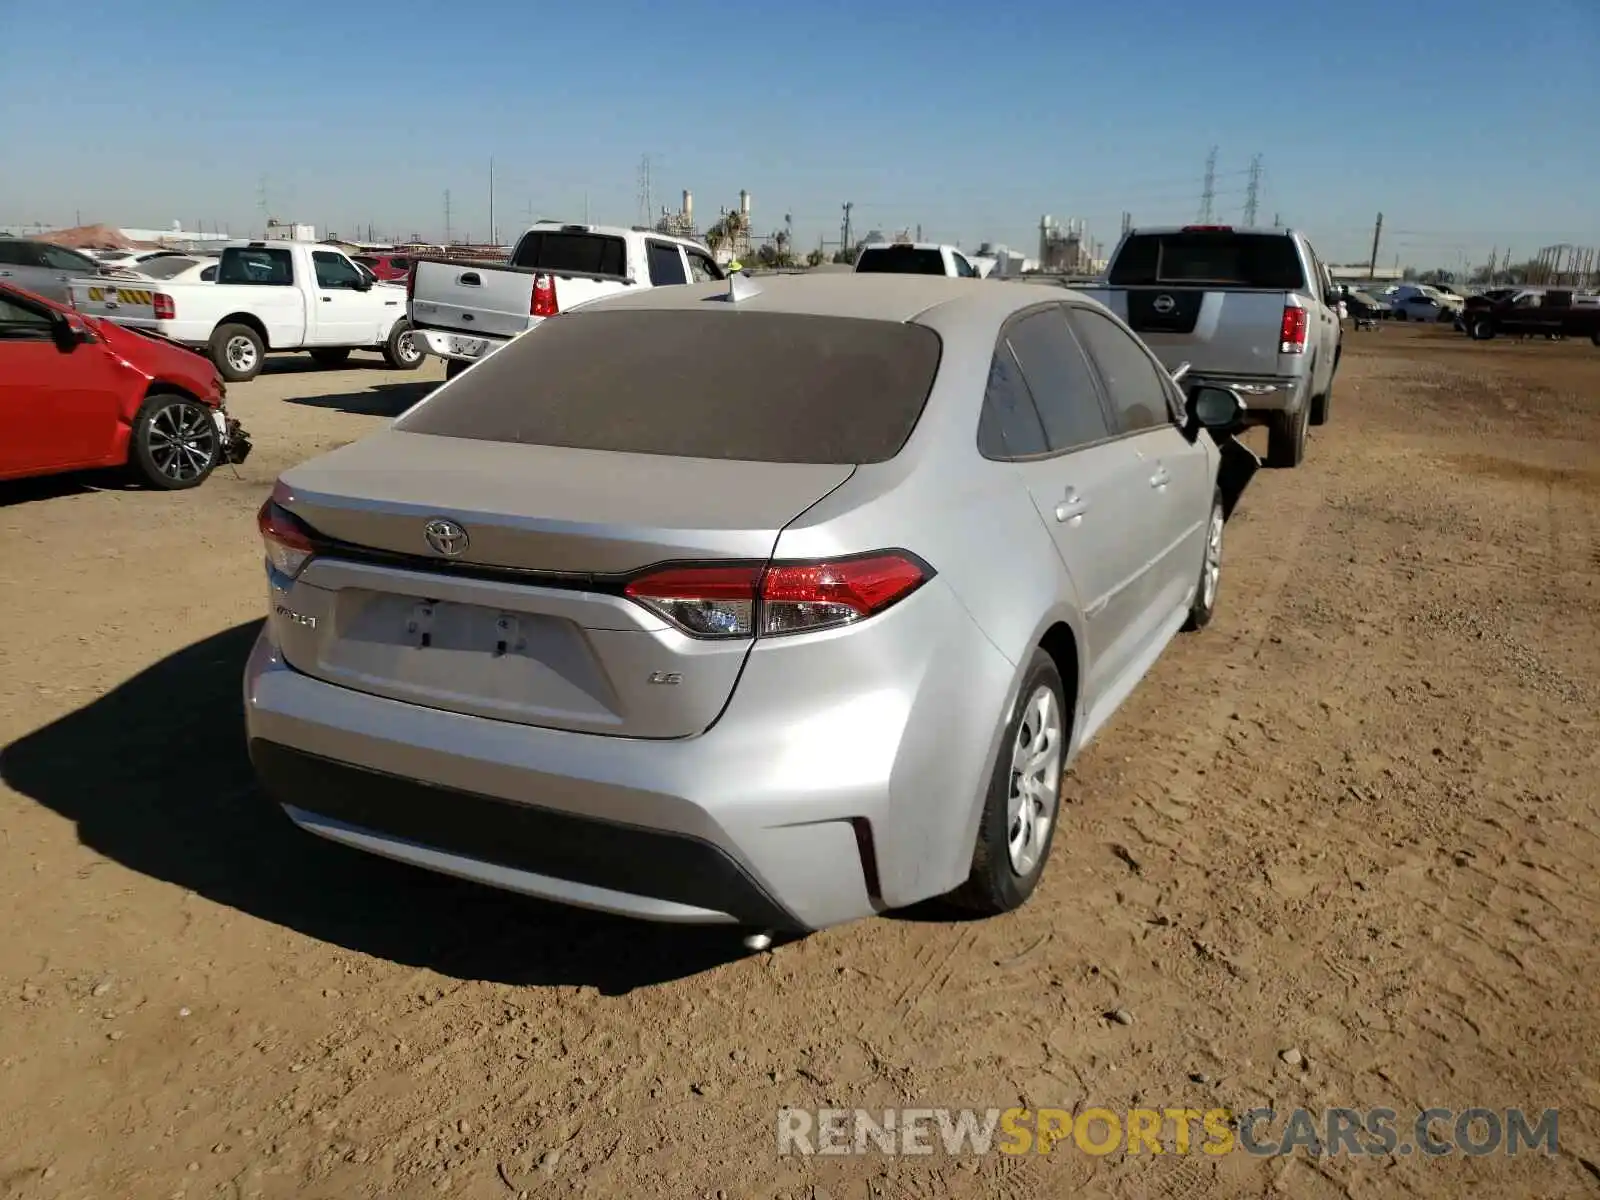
1286, 437
454, 367
994, 884
238, 352
1482, 329
401, 351
1205, 595
1595, 337
175, 443
332, 356
1322, 405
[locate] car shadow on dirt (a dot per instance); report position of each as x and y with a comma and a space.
380, 400
156, 777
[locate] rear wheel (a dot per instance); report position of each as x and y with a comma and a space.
401, 351
176, 444
1286, 437
238, 352
1018, 823
1205, 596
332, 356
1482, 329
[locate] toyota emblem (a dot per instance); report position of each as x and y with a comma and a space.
1164, 304
446, 537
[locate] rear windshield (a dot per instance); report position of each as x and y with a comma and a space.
1253, 260
593, 253
166, 268
757, 387
900, 260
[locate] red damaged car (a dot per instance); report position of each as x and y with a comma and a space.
79, 393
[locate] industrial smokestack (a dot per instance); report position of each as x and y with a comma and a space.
688, 205
744, 203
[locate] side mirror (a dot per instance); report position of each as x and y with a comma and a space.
1332, 298
69, 333
1219, 409
362, 284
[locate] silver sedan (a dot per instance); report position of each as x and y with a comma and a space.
775, 602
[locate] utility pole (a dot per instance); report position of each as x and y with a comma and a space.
1209, 195
447, 217
844, 232
493, 236
1277, 220
1127, 223
919, 231
644, 190
261, 200
1252, 193
1372, 263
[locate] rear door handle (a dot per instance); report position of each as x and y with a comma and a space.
1071, 508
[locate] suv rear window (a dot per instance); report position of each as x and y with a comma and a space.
900, 260
751, 386
1254, 260
594, 253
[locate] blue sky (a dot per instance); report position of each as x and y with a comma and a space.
969, 119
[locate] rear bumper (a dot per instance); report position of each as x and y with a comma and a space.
1262, 395
809, 803
457, 347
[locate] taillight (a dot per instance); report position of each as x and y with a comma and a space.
544, 296
287, 542
784, 597
1292, 332
166, 309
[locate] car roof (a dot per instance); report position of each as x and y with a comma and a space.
911, 246
871, 297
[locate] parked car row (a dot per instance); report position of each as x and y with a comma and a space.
1532, 312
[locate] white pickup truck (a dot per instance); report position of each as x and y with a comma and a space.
914, 258
464, 310
268, 297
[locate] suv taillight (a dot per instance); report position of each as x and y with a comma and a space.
1292, 332
287, 542
166, 310
784, 597
544, 296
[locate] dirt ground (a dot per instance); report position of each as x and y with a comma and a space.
1357, 817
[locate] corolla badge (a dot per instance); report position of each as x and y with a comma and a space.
1164, 304
446, 537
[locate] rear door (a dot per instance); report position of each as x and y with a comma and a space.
1145, 409
1213, 298
1084, 482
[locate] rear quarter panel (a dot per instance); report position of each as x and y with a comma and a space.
973, 521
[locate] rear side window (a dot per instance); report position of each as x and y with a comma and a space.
1222, 257
1060, 378
900, 260
786, 388
262, 266
1009, 426
666, 264
15, 254
67, 260
556, 251
209, 275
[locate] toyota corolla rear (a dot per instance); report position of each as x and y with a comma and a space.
543, 633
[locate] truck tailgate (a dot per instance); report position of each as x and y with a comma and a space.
125, 300
474, 298
1234, 331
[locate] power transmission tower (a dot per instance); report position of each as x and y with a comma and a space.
1252, 192
644, 190
447, 216
1209, 195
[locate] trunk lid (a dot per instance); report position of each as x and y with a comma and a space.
526, 623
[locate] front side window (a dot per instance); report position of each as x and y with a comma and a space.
1136, 387
21, 322
335, 270
1060, 379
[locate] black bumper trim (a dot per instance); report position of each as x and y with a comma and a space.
578, 849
